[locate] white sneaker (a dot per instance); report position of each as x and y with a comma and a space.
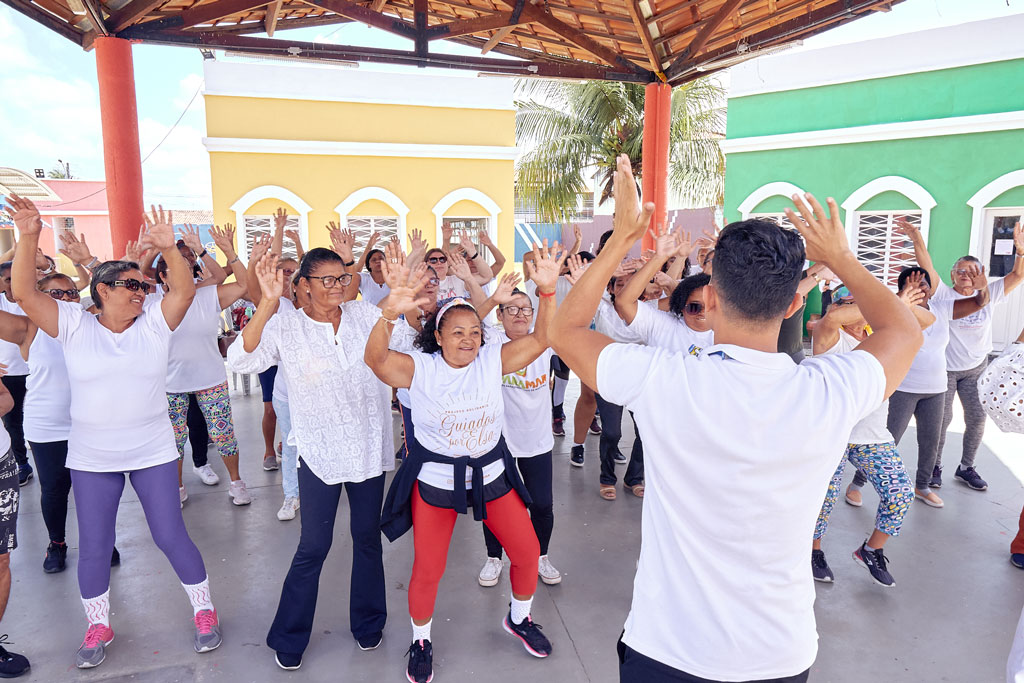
183, 494
206, 475
239, 494
548, 573
490, 573
287, 510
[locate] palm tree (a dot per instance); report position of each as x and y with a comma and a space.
62, 171
574, 128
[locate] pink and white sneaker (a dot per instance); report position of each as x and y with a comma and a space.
207, 635
93, 650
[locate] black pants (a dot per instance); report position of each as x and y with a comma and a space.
611, 432
536, 473
410, 432
198, 436
54, 485
367, 602
637, 668
14, 420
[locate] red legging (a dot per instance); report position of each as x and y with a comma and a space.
1017, 546
432, 527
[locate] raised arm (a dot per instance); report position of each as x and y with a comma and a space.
578, 235
684, 245
39, 307
626, 302
293, 235
271, 284
816, 274
370, 243
924, 259
499, 258
78, 253
547, 264
344, 241
417, 248
913, 297
570, 333
260, 247
190, 236
965, 307
181, 286
15, 329
277, 241
460, 268
826, 331
1016, 276
230, 292
896, 335
483, 271
392, 367
502, 294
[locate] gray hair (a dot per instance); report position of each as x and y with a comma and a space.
105, 274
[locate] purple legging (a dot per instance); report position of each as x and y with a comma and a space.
97, 495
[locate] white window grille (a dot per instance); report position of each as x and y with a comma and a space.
68, 223
470, 226
255, 226
364, 226
779, 218
881, 249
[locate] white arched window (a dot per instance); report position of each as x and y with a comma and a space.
486, 220
755, 198
872, 233
252, 225
364, 226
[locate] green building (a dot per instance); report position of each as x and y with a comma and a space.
926, 125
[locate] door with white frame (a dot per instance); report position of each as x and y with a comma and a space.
997, 254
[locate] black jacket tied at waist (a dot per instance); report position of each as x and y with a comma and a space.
396, 517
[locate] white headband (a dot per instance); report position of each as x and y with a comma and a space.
457, 301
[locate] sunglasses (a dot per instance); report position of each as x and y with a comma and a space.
63, 293
331, 281
131, 284
288, 272
694, 308
437, 259
527, 311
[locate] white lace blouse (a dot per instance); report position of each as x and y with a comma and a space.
340, 411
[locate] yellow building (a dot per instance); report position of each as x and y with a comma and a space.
390, 152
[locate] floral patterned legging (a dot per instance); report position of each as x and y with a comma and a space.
882, 465
216, 408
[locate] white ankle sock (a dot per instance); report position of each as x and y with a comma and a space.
97, 610
520, 609
199, 595
421, 632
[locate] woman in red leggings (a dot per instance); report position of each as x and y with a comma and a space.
458, 458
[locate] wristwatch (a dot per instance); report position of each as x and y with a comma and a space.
349, 264
203, 253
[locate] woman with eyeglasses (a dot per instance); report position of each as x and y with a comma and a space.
459, 458
341, 426
117, 370
195, 366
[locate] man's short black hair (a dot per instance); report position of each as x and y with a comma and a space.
757, 268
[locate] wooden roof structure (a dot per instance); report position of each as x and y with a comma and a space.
621, 40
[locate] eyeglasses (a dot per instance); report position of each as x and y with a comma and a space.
63, 293
694, 308
330, 281
434, 281
961, 271
527, 311
288, 272
437, 259
131, 284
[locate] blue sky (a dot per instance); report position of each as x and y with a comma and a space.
50, 105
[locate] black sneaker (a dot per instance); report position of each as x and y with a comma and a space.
819, 567
619, 457
557, 427
288, 662
535, 642
875, 563
115, 558
970, 477
595, 427
24, 474
936, 482
56, 558
11, 665
371, 642
421, 662
576, 457
1017, 560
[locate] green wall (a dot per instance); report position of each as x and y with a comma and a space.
964, 91
952, 168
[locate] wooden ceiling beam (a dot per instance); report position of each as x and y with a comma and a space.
702, 37
644, 31
282, 24
270, 21
463, 27
95, 17
46, 19
495, 39
367, 16
131, 13
196, 15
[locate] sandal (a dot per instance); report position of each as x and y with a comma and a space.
637, 489
607, 492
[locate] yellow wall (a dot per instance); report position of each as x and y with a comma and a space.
372, 207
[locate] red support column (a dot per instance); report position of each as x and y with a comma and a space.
121, 157
657, 126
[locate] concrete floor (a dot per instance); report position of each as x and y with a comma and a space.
950, 618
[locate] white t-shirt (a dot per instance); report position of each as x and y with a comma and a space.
451, 286
970, 337
48, 391
194, 362
119, 418
872, 429
457, 411
280, 382
666, 330
528, 406
927, 374
371, 291
10, 354
608, 322
739, 446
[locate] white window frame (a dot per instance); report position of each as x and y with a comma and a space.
250, 198
979, 203
376, 224
894, 243
353, 200
287, 248
475, 196
774, 189
904, 186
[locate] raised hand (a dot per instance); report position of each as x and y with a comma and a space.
503, 292
372, 240
75, 249
224, 238
190, 236
394, 255
466, 242
260, 246
577, 233
446, 236
159, 229
905, 228
271, 279
293, 235
133, 251
547, 264
977, 275
665, 281
460, 267
1018, 238
824, 233
405, 285
280, 219
631, 218
684, 243
912, 294
24, 214
485, 238
666, 245
416, 241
